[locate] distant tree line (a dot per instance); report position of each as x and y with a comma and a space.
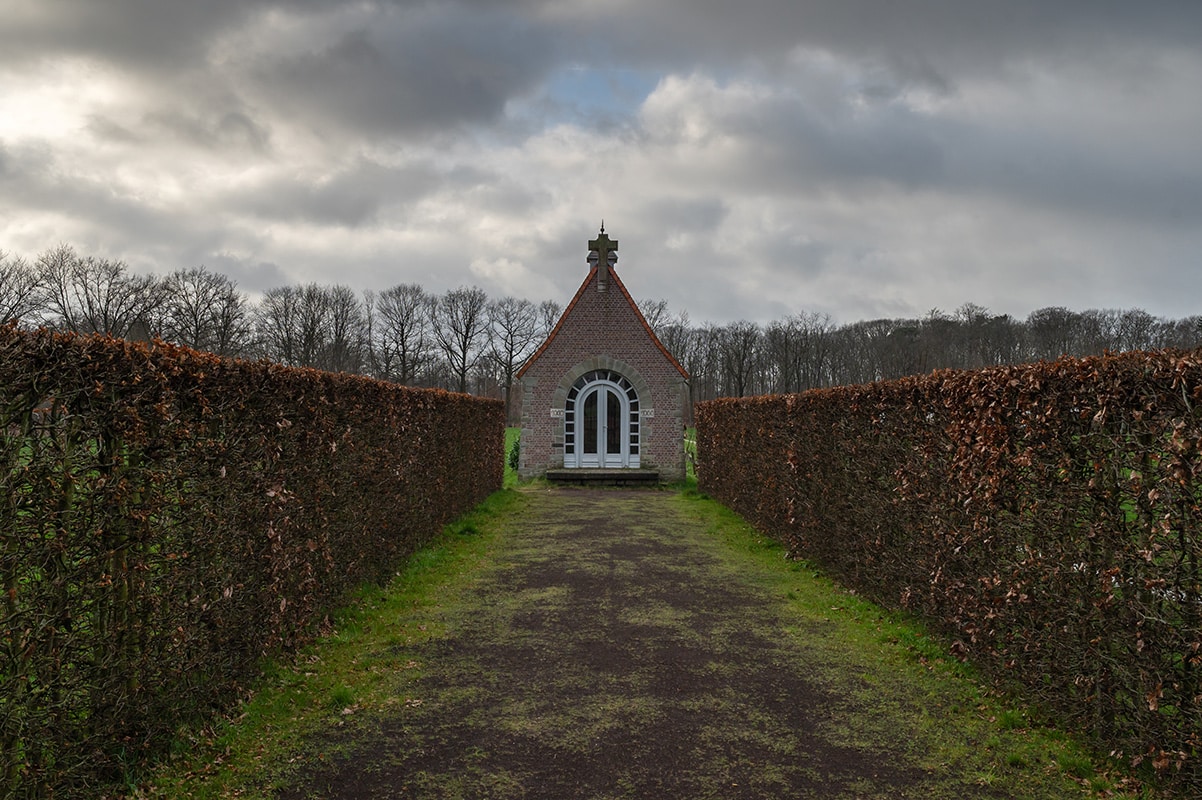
808, 350
461, 340
465, 341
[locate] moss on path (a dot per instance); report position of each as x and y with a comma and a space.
616, 644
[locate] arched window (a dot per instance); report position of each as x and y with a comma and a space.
601, 422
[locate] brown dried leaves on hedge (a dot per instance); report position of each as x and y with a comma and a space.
169, 517
1048, 516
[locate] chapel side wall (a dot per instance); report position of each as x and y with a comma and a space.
603, 326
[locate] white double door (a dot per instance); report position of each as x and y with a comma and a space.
603, 428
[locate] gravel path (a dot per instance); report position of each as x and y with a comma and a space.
612, 650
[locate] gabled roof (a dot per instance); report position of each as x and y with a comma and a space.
616, 281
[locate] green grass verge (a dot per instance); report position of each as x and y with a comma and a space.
960, 718
351, 671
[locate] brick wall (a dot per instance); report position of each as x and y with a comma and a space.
603, 330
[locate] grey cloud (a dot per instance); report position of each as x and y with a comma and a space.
408, 68
794, 145
1075, 175
89, 210
925, 39
223, 130
351, 197
481, 52
107, 129
421, 68
686, 216
23, 168
133, 32
1070, 185
793, 251
505, 197
563, 254
421, 74
249, 274
795, 142
166, 30
141, 34
788, 143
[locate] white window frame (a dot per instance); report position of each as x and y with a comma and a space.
585, 385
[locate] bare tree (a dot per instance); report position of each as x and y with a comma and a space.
96, 295
986, 339
797, 352
513, 334
706, 364
289, 323
1053, 332
1183, 333
275, 321
1137, 330
1094, 331
345, 331
862, 351
19, 289
312, 326
548, 315
312, 313
401, 339
459, 321
740, 346
676, 335
205, 311
781, 357
656, 313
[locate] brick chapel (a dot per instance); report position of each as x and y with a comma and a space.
602, 392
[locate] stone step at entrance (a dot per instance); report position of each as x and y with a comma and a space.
604, 477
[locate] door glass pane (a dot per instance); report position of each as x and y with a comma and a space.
613, 423
588, 423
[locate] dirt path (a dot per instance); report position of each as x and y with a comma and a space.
612, 651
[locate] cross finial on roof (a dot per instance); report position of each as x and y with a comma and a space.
603, 246
605, 252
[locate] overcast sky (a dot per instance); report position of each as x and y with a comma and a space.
754, 158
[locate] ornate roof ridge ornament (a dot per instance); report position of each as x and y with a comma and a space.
603, 253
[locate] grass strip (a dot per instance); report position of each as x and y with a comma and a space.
963, 721
347, 675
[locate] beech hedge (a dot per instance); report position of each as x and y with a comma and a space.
170, 517
1048, 516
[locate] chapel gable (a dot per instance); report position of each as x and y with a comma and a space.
602, 392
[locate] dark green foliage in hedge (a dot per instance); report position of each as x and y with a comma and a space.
169, 517
1048, 516
515, 454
